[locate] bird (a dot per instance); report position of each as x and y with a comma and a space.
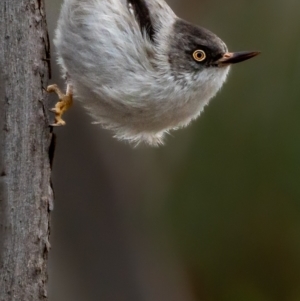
138, 69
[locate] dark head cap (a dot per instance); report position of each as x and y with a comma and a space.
193, 48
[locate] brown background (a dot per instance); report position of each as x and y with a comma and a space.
214, 214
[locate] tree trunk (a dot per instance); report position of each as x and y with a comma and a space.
25, 189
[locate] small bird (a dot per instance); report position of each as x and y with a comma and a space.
138, 69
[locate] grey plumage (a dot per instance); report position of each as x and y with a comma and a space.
131, 64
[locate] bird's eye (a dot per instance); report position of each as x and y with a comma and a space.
199, 55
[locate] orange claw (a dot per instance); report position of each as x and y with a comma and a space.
64, 103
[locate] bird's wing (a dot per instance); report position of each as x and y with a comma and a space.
152, 15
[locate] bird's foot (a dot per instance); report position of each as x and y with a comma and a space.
64, 103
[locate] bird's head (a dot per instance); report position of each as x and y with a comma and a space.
198, 51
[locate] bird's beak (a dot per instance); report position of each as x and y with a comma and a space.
236, 57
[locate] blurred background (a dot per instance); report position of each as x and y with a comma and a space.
214, 215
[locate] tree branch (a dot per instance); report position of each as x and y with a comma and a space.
25, 190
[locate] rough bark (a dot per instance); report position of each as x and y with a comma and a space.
25, 190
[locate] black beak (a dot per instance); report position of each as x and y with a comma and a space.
236, 57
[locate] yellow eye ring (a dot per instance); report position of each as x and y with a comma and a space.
199, 55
